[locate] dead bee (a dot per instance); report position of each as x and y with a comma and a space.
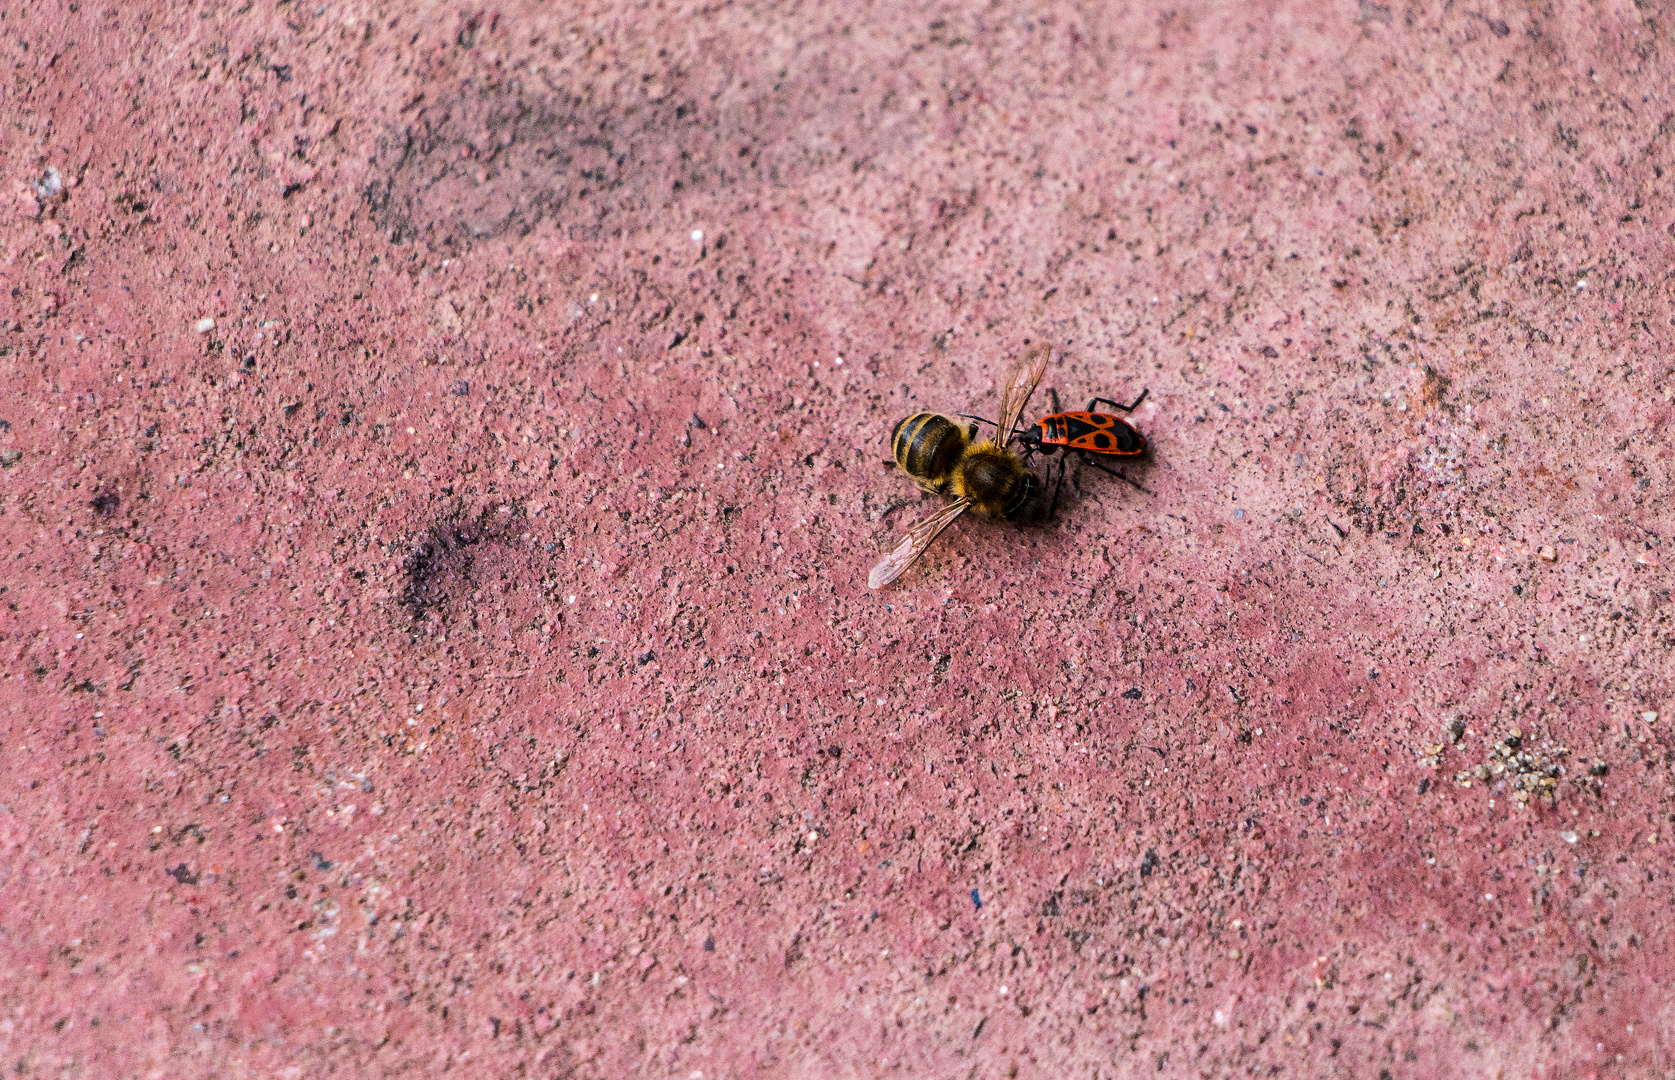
944, 456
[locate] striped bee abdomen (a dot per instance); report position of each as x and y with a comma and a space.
927, 446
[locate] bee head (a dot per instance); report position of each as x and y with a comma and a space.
1021, 496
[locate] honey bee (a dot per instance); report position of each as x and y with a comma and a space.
944, 457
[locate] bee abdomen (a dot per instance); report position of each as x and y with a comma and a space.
927, 445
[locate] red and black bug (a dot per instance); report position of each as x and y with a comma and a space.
1093, 435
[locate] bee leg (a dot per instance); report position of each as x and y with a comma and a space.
1118, 475
1118, 404
893, 507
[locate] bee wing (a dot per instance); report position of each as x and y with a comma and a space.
914, 541
1020, 384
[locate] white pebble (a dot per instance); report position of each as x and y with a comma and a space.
205, 325
697, 236
51, 183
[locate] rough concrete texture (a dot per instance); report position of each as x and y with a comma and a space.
443, 457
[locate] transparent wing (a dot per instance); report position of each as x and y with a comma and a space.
914, 541
1020, 384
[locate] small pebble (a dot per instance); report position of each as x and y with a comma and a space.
1548, 553
50, 183
1568, 837
205, 325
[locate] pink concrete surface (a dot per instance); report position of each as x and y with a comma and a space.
442, 457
